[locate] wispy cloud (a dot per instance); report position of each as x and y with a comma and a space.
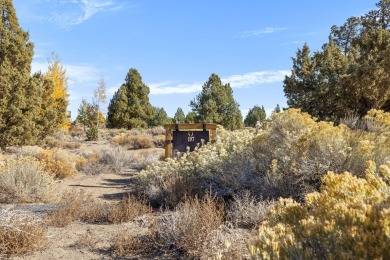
255, 78
168, 88
266, 30
79, 76
67, 13
236, 81
292, 43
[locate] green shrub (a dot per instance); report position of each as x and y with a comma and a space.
92, 133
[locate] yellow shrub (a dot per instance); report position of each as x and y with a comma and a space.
134, 141
57, 163
348, 219
294, 152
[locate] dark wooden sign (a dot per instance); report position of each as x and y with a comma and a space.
180, 136
184, 139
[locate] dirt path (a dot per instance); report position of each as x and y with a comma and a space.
85, 241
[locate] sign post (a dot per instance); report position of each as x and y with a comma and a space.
180, 136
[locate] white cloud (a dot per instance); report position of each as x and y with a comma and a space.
67, 13
255, 78
167, 88
292, 43
78, 75
236, 81
266, 30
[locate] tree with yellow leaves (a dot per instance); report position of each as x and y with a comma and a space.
57, 74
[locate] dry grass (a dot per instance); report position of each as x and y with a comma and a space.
20, 233
134, 141
25, 151
128, 209
125, 245
157, 130
159, 141
57, 163
90, 163
24, 181
227, 243
245, 211
88, 240
53, 143
146, 158
77, 205
116, 159
187, 228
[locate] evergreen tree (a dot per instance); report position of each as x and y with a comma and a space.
191, 118
352, 72
117, 115
130, 105
17, 110
255, 115
160, 117
179, 117
215, 104
48, 117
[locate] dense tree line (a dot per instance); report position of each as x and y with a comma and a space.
31, 107
350, 75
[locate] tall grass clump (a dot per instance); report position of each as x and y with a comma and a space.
77, 205
349, 218
116, 159
24, 181
20, 233
128, 209
189, 226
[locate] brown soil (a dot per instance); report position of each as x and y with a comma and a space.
64, 243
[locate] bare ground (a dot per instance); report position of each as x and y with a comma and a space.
65, 243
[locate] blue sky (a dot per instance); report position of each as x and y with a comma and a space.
177, 45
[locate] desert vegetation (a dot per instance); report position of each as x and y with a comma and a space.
309, 182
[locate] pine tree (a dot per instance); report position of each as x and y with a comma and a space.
130, 105
17, 114
179, 117
47, 121
117, 115
191, 118
215, 104
351, 75
160, 117
255, 115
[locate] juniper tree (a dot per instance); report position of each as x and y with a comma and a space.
179, 117
216, 104
350, 75
160, 117
130, 105
255, 115
17, 113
